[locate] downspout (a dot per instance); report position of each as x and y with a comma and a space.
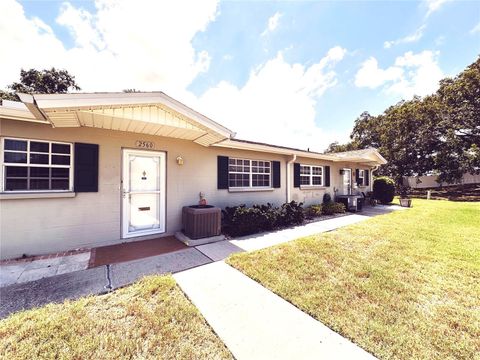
372, 169
289, 187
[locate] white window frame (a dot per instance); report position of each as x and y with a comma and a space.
311, 175
361, 175
250, 177
3, 164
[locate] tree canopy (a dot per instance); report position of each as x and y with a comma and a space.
439, 133
48, 81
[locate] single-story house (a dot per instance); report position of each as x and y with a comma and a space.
84, 170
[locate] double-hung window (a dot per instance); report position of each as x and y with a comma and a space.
361, 178
35, 165
245, 173
311, 175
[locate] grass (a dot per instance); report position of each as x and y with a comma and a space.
404, 285
151, 319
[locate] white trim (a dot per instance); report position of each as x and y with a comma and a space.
311, 176
162, 192
250, 176
36, 195
235, 190
3, 164
349, 192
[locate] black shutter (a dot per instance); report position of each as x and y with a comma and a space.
85, 168
367, 180
296, 175
357, 176
276, 174
222, 172
327, 176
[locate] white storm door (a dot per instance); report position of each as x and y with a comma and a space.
143, 193
347, 182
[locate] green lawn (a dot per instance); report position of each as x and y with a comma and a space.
404, 285
151, 319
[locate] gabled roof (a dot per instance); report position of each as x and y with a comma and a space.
368, 153
153, 113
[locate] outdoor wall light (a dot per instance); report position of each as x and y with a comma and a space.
342, 171
179, 160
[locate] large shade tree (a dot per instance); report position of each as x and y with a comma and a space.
439, 133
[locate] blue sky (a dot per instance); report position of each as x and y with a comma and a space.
265, 69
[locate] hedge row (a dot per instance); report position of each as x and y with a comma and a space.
242, 220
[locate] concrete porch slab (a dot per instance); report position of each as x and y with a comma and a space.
195, 242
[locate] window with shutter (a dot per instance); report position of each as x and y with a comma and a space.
36, 165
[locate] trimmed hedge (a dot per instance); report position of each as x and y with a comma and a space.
333, 208
242, 220
383, 189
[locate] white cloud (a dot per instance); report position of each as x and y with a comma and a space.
277, 103
417, 35
149, 47
411, 74
434, 5
475, 29
273, 23
371, 76
120, 45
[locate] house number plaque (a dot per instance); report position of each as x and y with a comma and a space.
144, 144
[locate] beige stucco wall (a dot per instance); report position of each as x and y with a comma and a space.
310, 196
35, 226
38, 226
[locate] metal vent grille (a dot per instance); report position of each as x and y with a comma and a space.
201, 222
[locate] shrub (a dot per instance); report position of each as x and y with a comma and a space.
313, 211
270, 215
291, 214
240, 220
327, 198
383, 189
333, 208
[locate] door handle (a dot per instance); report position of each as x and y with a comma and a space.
124, 193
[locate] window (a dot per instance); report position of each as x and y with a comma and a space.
361, 178
311, 175
243, 173
31, 165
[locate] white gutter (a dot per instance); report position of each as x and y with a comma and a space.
372, 169
289, 190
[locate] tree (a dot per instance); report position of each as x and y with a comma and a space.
336, 147
439, 133
46, 81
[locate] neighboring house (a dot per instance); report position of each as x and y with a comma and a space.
430, 181
84, 170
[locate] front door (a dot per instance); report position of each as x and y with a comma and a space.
347, 182
143, 193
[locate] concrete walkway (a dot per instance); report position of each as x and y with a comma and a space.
25, 271
221, 250
254, 323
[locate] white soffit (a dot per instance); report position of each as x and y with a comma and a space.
147, 113
15, 110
